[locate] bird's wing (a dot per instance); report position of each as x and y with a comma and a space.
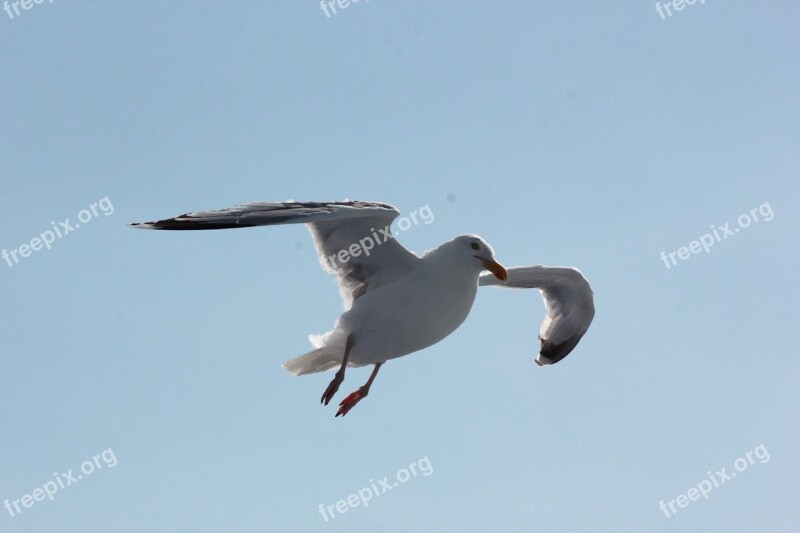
353, 239
568, 299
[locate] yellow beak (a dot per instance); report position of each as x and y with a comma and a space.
495, 268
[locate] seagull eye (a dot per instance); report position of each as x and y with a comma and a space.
475, 246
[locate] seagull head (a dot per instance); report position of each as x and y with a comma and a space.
479, 252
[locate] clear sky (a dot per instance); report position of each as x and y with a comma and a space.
591, 134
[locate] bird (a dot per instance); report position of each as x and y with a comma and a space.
396, 302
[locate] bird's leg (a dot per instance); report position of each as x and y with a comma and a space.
354, 397
339, 377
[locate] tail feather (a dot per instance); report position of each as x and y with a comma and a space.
317, 360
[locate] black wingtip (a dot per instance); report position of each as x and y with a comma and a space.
556, 352
188, 224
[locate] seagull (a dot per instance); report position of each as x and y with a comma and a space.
395, 302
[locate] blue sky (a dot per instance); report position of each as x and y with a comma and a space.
595, 135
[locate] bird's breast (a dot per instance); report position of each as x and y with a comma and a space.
408, 316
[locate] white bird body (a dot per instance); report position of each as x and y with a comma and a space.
396, 303
427, 305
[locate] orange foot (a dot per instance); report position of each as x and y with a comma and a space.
352, 399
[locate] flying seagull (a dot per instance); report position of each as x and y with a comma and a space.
395, 302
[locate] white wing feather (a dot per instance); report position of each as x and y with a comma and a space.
378, 258
568, 300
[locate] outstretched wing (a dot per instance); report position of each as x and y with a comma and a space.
353, 239
568, 299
